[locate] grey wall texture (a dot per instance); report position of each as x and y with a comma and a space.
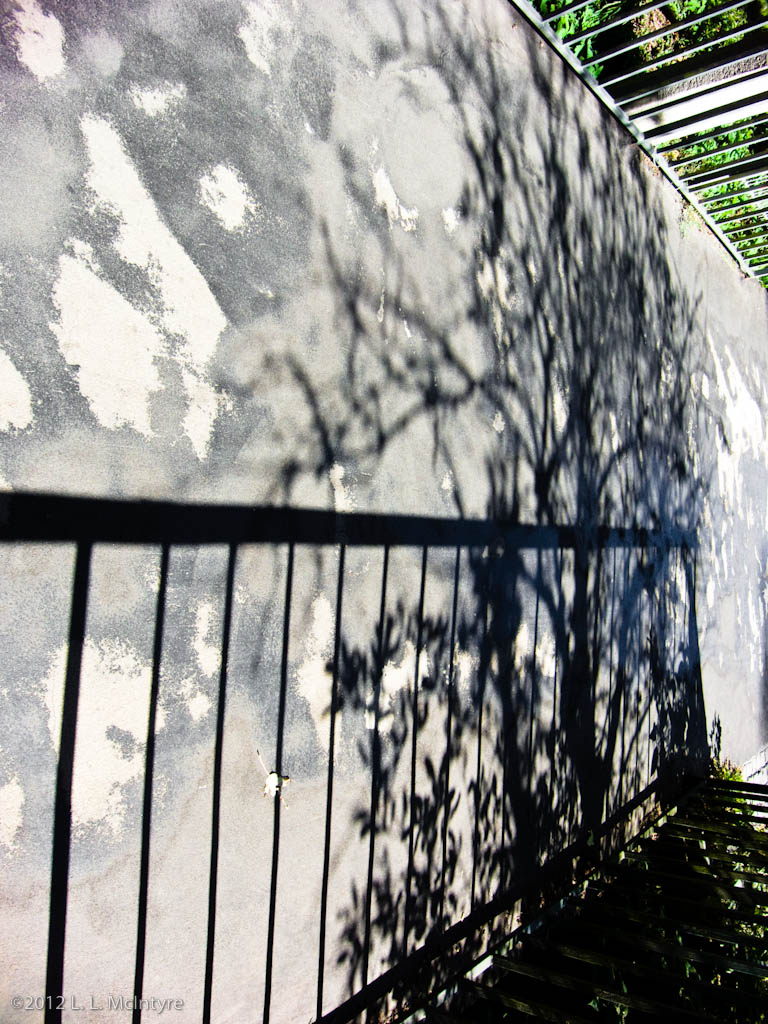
374, 257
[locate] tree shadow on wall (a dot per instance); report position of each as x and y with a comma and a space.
573, 337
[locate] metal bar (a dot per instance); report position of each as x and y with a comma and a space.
41, 517
277, 798
448, 733
754, 249
722, 111
701, 179
758, 193
745, 233
755, 212
651, 85
568, 9
689, 51
697, 92
62, 817
619, 19
746, 178
149, 773
216, 800
696, 138
678, 26
719, 151
329, 788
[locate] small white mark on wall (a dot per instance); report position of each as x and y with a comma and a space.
614, 432
397, 676
313, 677
227, 196
15, 396
386, 197
559, 409
498, 422
111, 728
342, 498
11, 812
157, 101
199, 706
39, 40
450, 220
466, 667
263, 22
113, 346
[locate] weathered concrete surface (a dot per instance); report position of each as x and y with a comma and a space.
384, 257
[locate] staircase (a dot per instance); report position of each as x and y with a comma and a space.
674, 928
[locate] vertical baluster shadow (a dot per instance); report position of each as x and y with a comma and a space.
277, 799
62, 819
149, 770
449, 738
378, 669
329, 791
216, 802
414, 739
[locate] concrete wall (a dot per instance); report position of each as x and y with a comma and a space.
369, 256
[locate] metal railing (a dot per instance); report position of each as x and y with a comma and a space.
689, 79
536, 753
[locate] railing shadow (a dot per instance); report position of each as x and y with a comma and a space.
493, 759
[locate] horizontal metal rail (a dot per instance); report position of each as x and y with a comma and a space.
42, 517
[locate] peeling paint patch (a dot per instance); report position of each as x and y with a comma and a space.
11, 812
208, 655
15, 396
263, 22
227, 196
314, 680
386, 197
203, 407
199, 706
157, 101
112, 345
396, 677
189, 309
39, 40
111, 728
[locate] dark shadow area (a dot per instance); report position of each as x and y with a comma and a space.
588, 345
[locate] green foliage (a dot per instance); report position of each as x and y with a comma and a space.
725, 769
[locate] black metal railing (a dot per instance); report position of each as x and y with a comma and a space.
691, 81
482, 779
